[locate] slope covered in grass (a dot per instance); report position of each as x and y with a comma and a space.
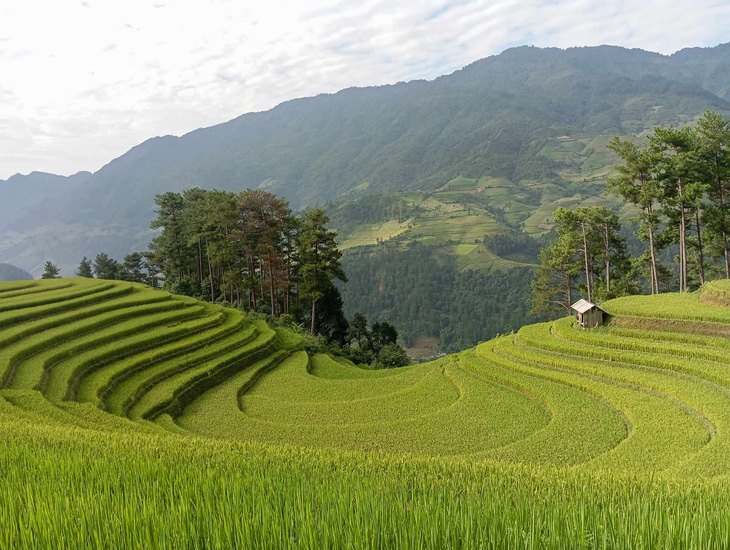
183, 424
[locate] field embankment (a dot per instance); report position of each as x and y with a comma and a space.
132, 417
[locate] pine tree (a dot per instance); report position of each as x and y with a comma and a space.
637, 183
50, 271
106, 267
714, 156
85, 269
320, 259
170, 246
132, 268
680, 189
552, 287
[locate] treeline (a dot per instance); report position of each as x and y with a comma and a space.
248, 250
136, 268
678, 182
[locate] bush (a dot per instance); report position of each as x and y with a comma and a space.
392, 356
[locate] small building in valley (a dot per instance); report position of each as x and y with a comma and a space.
588, 315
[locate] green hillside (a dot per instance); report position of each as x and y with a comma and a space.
491, 227
537, 117
131, 417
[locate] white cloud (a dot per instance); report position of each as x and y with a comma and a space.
82, 82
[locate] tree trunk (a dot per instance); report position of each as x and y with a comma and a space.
699, 246
210, 272
682, 240
314, 303
652, 253
569, 292
721, 200
252, 281
261, 280
585, 257
271, 289
608, 259
200, 261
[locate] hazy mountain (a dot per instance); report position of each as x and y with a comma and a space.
11, 273
493, 118
19, 193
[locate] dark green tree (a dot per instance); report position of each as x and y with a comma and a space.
319, 260
552, 287
383, 334
358, 333
638, 184
106, 267
680, 188
152, 269
170, 247
714, 156
331, 321
575, 225
133, 268
392, 356
610, 251
50, 271
85, 269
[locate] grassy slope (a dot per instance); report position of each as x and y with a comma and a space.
456, 217
550, 437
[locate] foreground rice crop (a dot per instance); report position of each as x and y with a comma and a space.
136, 418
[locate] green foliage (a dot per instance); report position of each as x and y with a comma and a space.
319, 259
106, 267
132, 269
85, 269
425, 294
392, 356
50, 271
358, 333
247, 249
552, 287
383, 334
514, 245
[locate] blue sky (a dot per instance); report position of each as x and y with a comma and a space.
83, 81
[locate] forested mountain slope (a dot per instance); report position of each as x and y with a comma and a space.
526, 115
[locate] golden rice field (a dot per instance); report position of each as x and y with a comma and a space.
131, 417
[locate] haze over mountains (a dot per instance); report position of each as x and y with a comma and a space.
498, 117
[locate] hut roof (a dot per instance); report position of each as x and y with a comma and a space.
581, 306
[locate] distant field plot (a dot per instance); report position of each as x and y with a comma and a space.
373, 234
541, 221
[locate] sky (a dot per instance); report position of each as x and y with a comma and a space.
81, 82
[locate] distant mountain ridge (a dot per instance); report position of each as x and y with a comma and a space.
11, 273
497, 117
20, 193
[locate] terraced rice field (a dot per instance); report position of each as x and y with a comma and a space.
135, 418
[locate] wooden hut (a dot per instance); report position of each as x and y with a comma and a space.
588, 315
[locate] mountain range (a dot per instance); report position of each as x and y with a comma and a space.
527, 116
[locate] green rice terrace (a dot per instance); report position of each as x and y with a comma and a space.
131, 417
